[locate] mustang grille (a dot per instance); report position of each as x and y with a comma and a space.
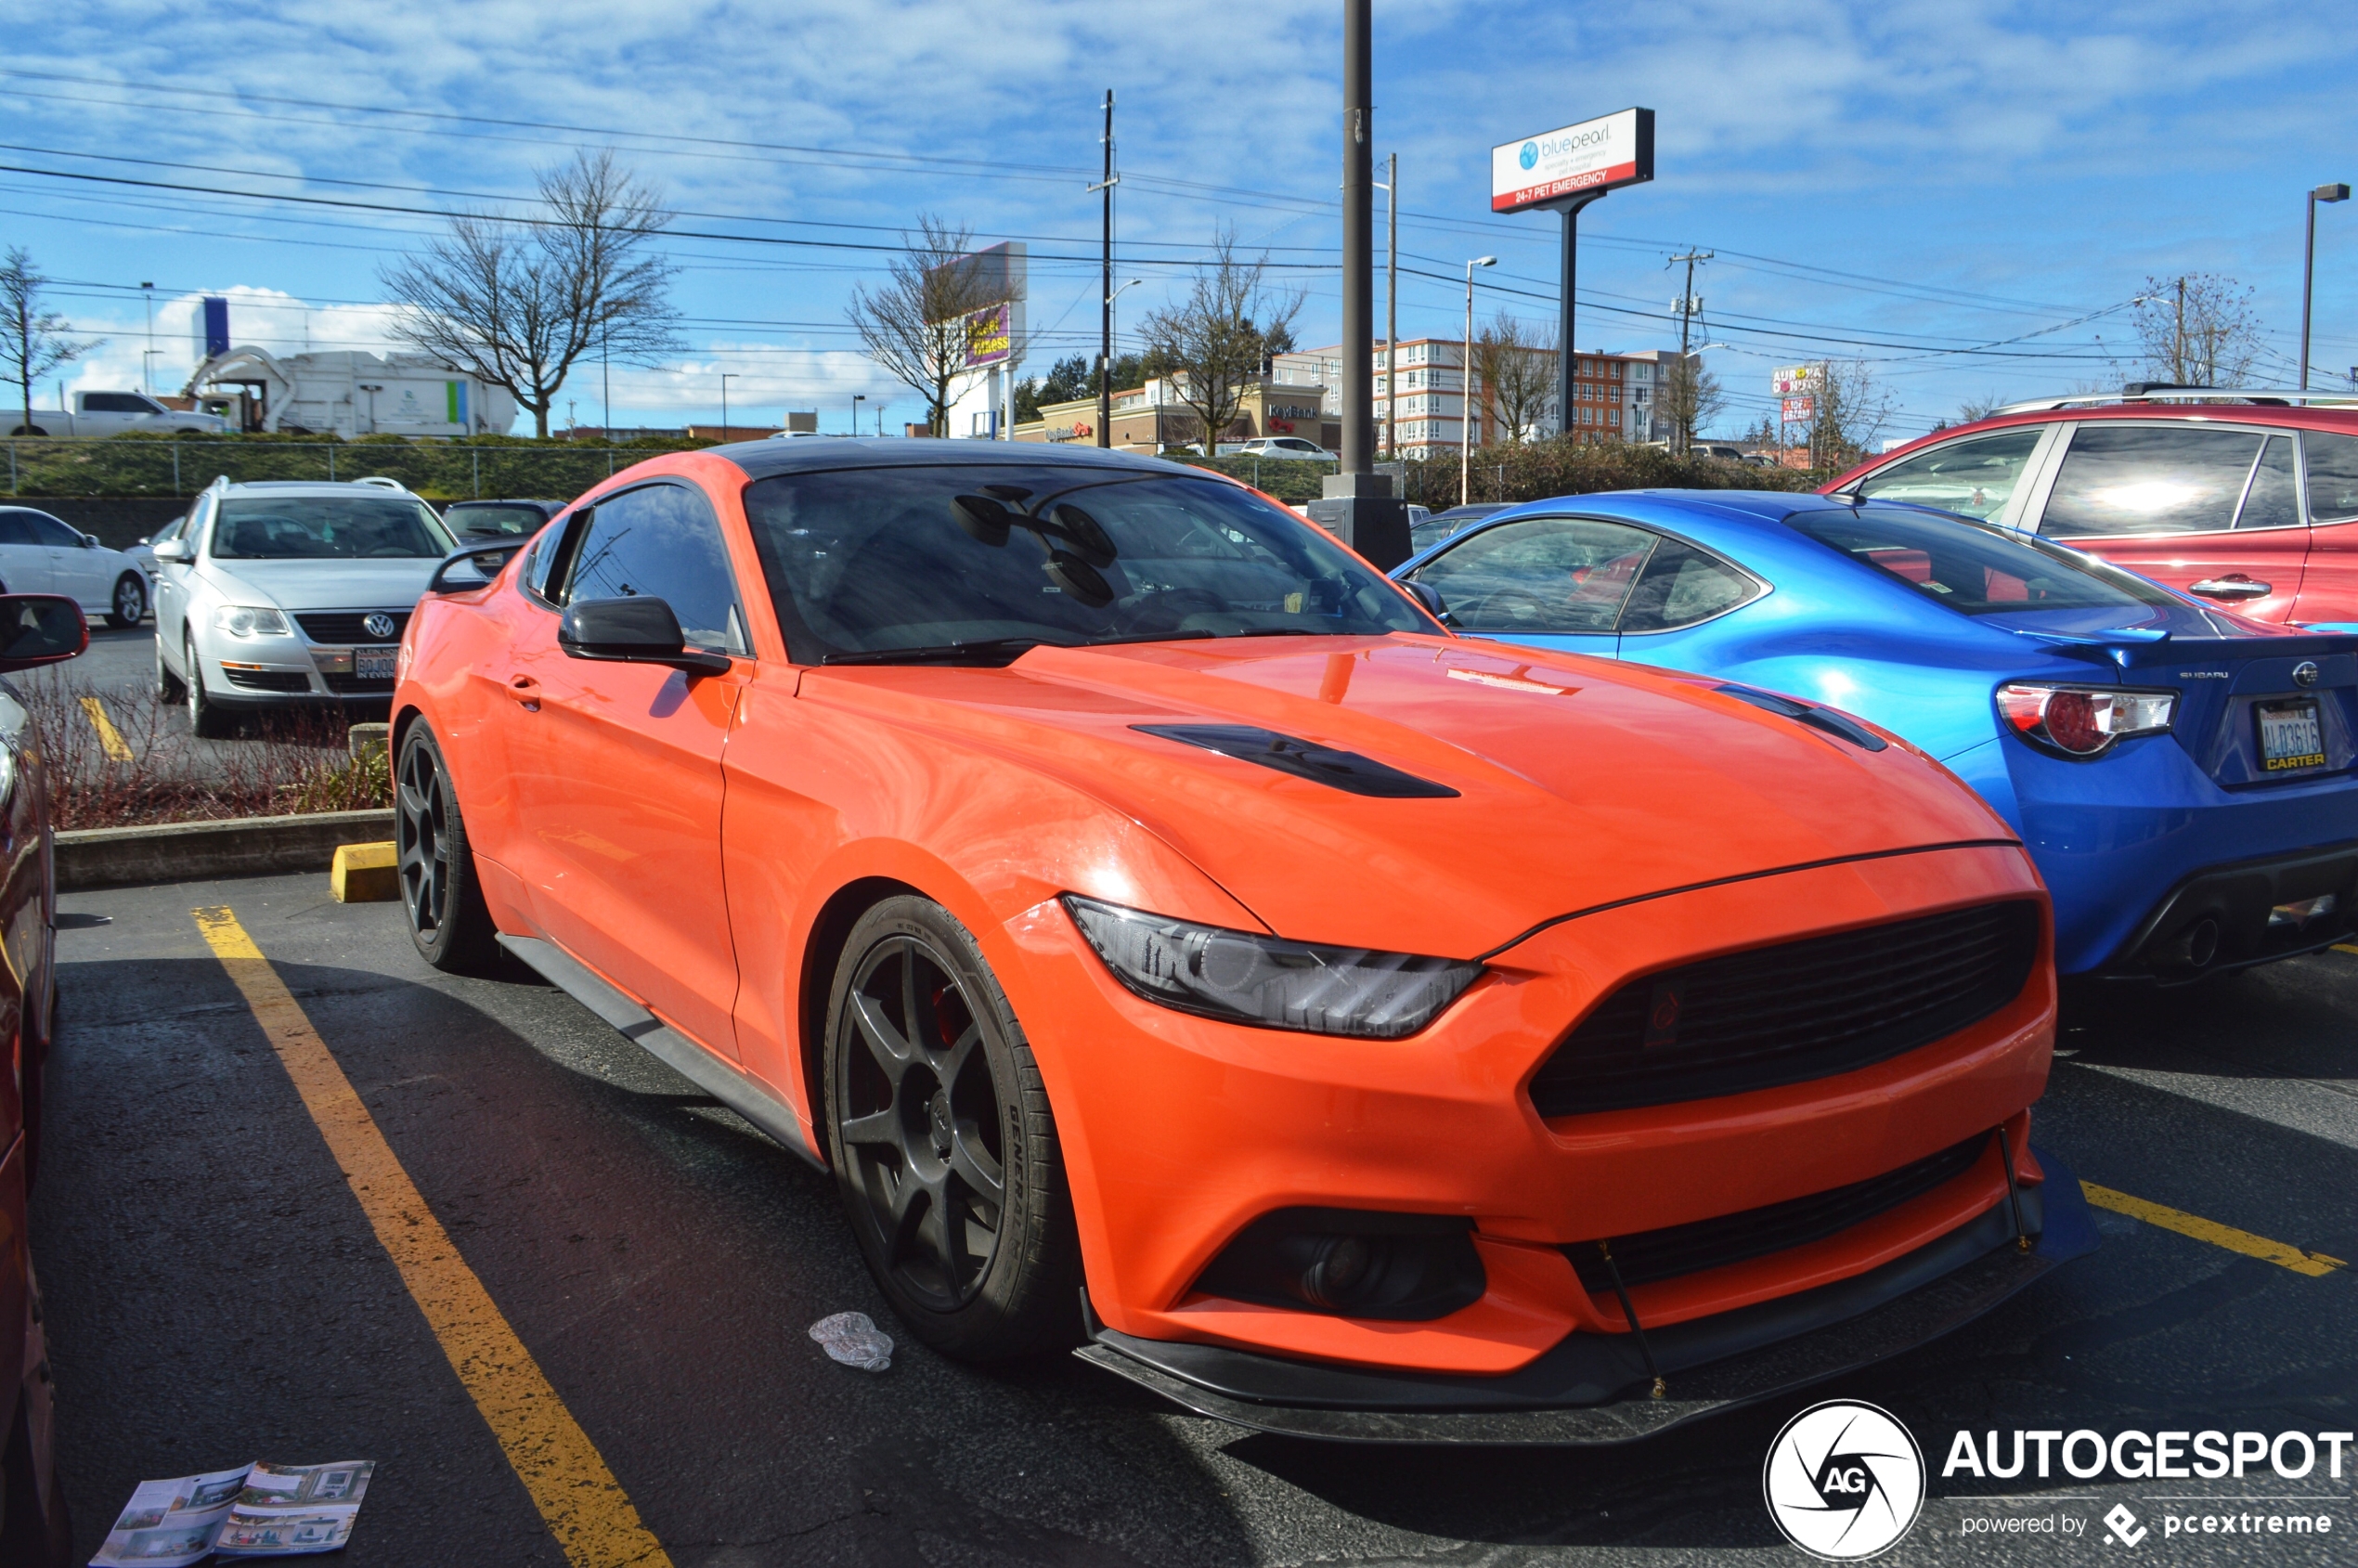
1789, 1013
343, 626
1754, 1233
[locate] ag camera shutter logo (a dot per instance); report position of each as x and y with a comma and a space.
1843, 1480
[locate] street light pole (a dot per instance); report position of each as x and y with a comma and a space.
726, 376
1465, 359
146, 372
857, 398
2309, 266
1105, 285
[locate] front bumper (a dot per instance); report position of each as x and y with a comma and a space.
1592, 1389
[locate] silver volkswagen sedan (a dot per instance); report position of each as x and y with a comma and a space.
279, 592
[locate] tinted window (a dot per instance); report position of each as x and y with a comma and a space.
327, 528
546, 552
2333, 476
2275, 499
1974, 477
662, 541
516, 520
1540, 573
2145, 479
49, 531
113, 403
875, 560
16, 527
1682, 585
1973, 569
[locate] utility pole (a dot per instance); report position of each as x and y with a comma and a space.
1105, 292
726, 376
1357, 504
1391, 308
2178, 343
2307, 267
148, 379
1688, 308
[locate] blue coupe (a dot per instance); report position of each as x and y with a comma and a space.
2184, 777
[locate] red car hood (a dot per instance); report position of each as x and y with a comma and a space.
1580, 782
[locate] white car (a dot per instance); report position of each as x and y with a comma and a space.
111, 413
1286, 447
284, 592
40, 554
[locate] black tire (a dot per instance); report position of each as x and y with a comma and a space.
931, 1093
129, 605
208, 721
28, 430
169, 688
440, 892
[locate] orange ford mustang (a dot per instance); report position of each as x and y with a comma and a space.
1173, 937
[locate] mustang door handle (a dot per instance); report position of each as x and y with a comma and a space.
2235, 586
526, 691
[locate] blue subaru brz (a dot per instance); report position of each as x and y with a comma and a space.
2186, 779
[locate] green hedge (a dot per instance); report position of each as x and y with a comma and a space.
1528, 472
454, 469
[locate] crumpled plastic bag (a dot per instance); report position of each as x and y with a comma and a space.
853, 1338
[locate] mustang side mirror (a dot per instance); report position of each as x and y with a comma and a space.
1429, 597
38, 629
635, 631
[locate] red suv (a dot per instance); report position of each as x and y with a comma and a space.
2252, 505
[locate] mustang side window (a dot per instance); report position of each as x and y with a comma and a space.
1542, 575
2149, 479
662, 541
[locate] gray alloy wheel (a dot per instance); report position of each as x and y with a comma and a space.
130, 604
943, 1147
448, 922
207, 719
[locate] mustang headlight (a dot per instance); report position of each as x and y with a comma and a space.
249, 620
1268, 982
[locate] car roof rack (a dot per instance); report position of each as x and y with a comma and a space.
2169, 392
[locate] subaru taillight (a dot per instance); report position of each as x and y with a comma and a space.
2082, 720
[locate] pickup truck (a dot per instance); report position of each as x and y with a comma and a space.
109, 413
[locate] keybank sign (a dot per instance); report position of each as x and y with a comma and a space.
1594, 156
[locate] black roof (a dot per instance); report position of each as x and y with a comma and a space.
761, 459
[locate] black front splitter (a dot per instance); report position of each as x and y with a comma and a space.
1592, 1389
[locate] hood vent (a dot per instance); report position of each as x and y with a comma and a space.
1817, 717
1345, 770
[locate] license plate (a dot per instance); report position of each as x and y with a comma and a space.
376, 663
2290, 736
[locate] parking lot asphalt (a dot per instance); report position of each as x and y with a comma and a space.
216, 1293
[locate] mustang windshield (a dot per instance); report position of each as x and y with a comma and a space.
327, 528
1973, 569
980, 561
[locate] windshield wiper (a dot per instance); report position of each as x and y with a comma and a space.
992, 648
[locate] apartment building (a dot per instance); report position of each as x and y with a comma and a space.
1424, 395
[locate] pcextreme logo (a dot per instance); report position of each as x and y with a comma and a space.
1843, 1480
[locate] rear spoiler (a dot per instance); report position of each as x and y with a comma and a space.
2148, 648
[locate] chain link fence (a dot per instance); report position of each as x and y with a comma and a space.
439, 470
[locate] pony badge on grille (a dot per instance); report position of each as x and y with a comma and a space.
1662, 1015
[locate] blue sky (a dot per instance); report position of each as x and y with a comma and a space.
1923, 186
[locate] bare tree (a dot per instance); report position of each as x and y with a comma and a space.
2197, 330
518, 302
1688, 397
1981, 407
32, 340
1215, 345
1852, 408
1519, 371
917, 323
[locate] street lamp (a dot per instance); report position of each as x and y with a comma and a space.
857, 398
1465, 433
146, 376
727, 376
2309, 266
1105, 366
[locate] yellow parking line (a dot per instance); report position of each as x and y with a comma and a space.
583, 1505
2314, 1265
2345, 947
110, 739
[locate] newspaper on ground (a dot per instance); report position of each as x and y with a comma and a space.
853, 1338
261, 1509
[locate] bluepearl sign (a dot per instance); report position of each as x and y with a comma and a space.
1561, 172
1579, 160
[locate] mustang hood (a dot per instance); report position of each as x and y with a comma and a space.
1563, 782
329, 585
